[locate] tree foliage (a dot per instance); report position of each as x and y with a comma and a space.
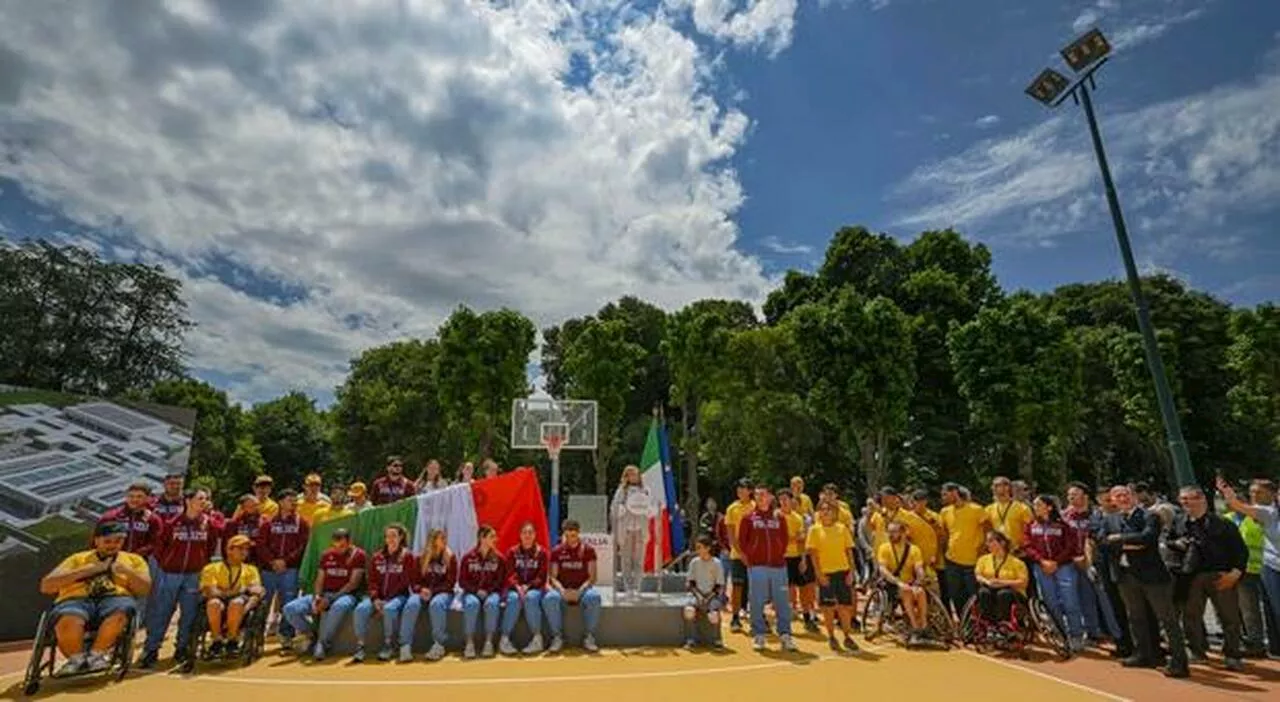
602, 364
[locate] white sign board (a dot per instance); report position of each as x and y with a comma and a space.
603, 544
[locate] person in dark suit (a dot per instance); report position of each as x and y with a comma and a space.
1133, 535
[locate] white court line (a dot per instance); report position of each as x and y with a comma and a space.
1045, 676
511, 681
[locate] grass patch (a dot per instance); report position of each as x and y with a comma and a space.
51, 398
56, 527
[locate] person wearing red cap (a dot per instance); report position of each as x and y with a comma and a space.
393, 486
95, 589
186, 546
231, 588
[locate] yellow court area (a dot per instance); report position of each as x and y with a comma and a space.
615, 675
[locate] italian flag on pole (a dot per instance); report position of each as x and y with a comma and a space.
654, 476
504, 503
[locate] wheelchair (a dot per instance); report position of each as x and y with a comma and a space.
252, 640
883, 614
1029, 623
44, 653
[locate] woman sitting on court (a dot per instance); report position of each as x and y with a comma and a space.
439, 577
527, 564
1002, 579
481, 575
392, 577
231, 587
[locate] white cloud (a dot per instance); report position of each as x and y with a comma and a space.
1134, 23
987, 121
386, 161
1184, 168
777, 246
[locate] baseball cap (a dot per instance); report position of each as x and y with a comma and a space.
340, 534
356, 490
263, 480
238, 540
746, 483
248, 497
312, 479
110, 529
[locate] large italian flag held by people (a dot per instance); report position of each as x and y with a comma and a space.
504, 503
655, 467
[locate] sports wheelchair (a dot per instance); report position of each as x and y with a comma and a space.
882, 613
252, 639
44, 653
1030, 621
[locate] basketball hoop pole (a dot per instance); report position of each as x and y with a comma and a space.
553, 444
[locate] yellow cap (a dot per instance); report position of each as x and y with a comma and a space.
357, 490
313, 479
238, 540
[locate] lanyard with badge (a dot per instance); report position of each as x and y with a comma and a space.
999, 565
1003, 517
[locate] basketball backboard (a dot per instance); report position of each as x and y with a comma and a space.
535, 418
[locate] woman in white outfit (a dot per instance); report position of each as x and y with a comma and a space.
632, 508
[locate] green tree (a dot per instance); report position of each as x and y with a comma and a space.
601, 364
857, 361
291, 437
480, 369
1019, 370
1254, 359
389, 404
222, 450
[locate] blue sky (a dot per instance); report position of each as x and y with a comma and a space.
325, 176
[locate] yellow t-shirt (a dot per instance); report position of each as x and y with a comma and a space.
795, 534
732, 518
889, 558
934, 520
307, 510
105, 585
965, 532
832, 544
1011, 520
228, 580
918, 530
269, 508
1011, 568
806, 505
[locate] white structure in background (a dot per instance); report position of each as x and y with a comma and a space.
83, 456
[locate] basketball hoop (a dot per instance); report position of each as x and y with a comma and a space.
553, 442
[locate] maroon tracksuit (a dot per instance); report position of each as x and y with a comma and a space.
440, 576
479, 572
1050, 541
387, 489
762, 538
527, 567
284, 538
144, 525
187, 545
392, 575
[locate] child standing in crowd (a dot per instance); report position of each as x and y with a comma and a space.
632, 508
706, 591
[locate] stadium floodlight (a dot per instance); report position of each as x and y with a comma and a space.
1048, 86
1086, 55
1084, 51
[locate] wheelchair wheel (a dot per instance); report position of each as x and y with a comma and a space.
1049, 628
254, 632
36, 666
125, 647
196, 642
878, 615
969, 624
940, 624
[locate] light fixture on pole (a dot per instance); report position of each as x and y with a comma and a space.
1085, 56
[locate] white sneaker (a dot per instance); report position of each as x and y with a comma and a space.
557, 643
757, 643
319, 652
469, 651
589, 643
487, 650
75, 665
535, 646
506, 648
436, 652
788, 644
406, 653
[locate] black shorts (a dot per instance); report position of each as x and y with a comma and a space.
836, 593
737, 572
797, 578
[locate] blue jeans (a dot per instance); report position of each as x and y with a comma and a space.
397, 613
94, 611
170, 590
438, 613
298, 613
553, 605
1059, 593
286, 585
768, 583
471, 606
962, 585
1094, 601
532, 606
1271, 586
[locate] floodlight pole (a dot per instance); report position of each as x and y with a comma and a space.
1182, 468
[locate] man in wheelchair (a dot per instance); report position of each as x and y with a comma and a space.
95, 593
903, 575
231, 588
1002, 586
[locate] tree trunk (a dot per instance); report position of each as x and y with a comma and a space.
867, 455
1026, 461
882, 456
690, 460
